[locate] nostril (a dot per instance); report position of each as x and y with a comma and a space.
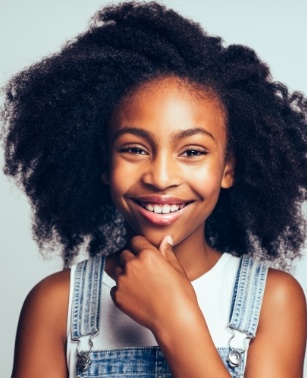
161, 178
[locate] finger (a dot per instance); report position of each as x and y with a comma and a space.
113, 293
166, 244
125, 256
139, 243
118, 271
166, 249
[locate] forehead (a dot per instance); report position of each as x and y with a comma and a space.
167, 103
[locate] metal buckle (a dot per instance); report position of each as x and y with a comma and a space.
235, 356
83, 357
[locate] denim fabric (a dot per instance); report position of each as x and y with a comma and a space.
141, 362
249, 289
149, 362
86, 302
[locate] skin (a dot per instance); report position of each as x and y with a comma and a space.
166, 140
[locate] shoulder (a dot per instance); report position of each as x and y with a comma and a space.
47, 302
283, 302
54, 286
281, 334
41, 335
283, 292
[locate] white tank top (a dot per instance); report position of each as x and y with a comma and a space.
214, 292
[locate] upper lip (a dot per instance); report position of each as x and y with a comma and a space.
160, 200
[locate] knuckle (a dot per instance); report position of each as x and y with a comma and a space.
123, 257
136, 239
120, 282
118, 299
147, 254
131, 266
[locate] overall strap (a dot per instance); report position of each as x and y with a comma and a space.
248, 295
86, 297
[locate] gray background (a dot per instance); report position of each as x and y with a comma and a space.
30, 29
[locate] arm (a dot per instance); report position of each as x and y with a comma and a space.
153, 289
189, 349
41, 335
279, 346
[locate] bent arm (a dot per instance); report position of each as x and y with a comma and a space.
189, 349
41, 334
276, 352
279, 347
167, 305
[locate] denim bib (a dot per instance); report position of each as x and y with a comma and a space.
149, 362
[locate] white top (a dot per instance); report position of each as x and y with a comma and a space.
214, 292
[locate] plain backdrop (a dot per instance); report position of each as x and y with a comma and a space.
30, 29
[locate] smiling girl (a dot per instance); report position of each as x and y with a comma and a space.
151, 143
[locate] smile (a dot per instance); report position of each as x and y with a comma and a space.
162, 208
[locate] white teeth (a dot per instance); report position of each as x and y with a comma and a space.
149, 207
174, 208
166, 209
157, 209
163, 209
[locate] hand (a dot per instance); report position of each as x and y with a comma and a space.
153, 289
151, 285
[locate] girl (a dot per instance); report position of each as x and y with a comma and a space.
148, 141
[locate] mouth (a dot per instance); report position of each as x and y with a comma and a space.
165, 208
160, 210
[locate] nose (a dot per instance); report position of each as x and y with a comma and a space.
162, 172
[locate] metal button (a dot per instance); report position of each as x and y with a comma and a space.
83, 361
234, 358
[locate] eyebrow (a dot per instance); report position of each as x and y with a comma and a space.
190, 132
135, 131
177, 135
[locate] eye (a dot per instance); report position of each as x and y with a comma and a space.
134, 150
194, 152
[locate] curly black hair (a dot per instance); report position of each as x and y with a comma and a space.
56, 115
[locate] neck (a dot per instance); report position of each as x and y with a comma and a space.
196, 256
193, 253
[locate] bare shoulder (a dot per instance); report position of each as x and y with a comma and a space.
41, 334
49, 298
284, 304
281, 335
283, 292
57, 283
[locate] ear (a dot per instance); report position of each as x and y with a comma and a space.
105, 178
229, 171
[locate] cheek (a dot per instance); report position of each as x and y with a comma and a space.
207, 180
122, 181
117, 186
116, 169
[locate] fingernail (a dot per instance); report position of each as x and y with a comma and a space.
169, 239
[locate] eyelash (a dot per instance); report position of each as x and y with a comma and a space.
137, 150
134, 149
192, 150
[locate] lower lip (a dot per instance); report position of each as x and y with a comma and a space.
160, 219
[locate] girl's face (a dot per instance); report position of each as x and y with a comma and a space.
167, 159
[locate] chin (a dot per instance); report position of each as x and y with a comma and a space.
154, 237
155, 240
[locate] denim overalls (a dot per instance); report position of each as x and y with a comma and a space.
149, 362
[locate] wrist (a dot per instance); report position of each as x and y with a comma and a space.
185, 339
179, 325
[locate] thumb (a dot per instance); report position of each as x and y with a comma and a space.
166, 249
166, 245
